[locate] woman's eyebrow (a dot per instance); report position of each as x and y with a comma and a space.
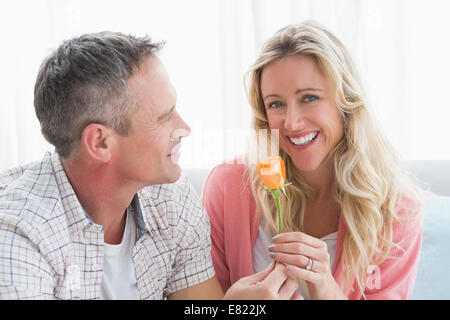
273, 95
307, 89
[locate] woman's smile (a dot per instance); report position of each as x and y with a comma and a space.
304, 140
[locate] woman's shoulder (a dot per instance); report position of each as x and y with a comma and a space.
227, 189
229, 178
409, 215
409, 202
229, 172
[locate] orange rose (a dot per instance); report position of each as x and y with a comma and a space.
272, 172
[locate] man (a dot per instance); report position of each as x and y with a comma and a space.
107, 215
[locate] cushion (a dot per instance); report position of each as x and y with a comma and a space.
433, 277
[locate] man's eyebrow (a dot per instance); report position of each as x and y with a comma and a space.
165, 115
296, 92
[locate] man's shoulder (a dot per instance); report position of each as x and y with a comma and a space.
9, 176
170, 203
29, 191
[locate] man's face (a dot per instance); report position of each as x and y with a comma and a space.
149, 154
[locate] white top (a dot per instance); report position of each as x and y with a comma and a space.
119, 277
261, 258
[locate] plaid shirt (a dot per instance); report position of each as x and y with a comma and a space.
50, 249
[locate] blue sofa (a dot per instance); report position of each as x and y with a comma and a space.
433, 278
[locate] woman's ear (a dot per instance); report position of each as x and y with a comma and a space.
97, 139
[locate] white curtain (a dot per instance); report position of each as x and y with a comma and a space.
401, 48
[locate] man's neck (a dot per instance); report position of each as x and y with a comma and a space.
104, 199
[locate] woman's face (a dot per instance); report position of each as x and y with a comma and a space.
301, 104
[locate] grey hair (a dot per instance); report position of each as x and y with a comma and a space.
85, 81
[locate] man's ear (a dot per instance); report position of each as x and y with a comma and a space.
97, 140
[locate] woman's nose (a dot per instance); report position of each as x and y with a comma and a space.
294, 120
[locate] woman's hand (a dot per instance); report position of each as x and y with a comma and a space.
296, 249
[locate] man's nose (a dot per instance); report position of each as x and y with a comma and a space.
183, 130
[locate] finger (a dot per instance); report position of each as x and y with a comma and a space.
296, 260
298, 248
259, 276
276, 277
288, 288
303, 274
298, 237
297, 296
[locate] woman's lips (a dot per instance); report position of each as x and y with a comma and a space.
304, 140
300, 135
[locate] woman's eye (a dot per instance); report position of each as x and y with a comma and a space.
275, 104
310, 98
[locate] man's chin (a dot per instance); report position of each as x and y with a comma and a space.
170, 176
174, 179
174, 174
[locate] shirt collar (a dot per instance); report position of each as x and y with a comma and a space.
138, 217
78, 217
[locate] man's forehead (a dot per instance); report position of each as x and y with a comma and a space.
152, 89
164, 107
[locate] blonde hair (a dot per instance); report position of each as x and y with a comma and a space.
368, 178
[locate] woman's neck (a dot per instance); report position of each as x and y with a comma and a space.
321, 181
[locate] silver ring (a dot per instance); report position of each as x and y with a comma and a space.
310, 264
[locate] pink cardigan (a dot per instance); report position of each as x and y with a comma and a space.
231, 207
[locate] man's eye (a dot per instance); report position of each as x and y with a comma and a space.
310, 98
275, 104
168, 117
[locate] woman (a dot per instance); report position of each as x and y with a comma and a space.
352, 223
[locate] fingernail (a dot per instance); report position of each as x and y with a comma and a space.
271, 247
272, 255
275, 237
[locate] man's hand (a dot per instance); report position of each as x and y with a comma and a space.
273, 283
